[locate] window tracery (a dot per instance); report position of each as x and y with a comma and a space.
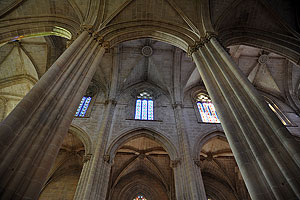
206, 109
144, 107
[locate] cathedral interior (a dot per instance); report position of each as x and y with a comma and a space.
149, 100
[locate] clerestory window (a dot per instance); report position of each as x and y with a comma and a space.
144, 107
83, 106
206, 109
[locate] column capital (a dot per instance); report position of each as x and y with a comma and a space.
175, 163
86, 158
201, 42
99, 38
86, 27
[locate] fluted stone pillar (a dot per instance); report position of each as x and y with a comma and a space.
179, 185
33, 132
83, 176
96, 183
266, 153
189, 185
98, 179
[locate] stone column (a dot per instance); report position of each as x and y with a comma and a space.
98, 179
32, 133
179, 189
193, 188
96, 182
83, 176
265, 151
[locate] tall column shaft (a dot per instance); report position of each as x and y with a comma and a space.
99, 169
266, 152
192, 184
33, 132
98, 179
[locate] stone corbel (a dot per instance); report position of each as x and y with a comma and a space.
177, 104
175, 163
106, 158
86, 158
112, 101
197, 162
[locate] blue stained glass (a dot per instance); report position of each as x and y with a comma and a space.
80, 106
150, 110
138, 109
144, 109
208, 112
83, 106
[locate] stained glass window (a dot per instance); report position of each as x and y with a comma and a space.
144, 107
140, 197
83, 106
207, 109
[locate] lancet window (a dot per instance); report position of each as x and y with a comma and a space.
206, 109
144, 107
83, 106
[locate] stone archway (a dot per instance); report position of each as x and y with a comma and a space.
65, 173
221, 176
141, 165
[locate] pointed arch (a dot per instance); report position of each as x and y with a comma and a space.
83, 137
145, 132
283, 45
203, 139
